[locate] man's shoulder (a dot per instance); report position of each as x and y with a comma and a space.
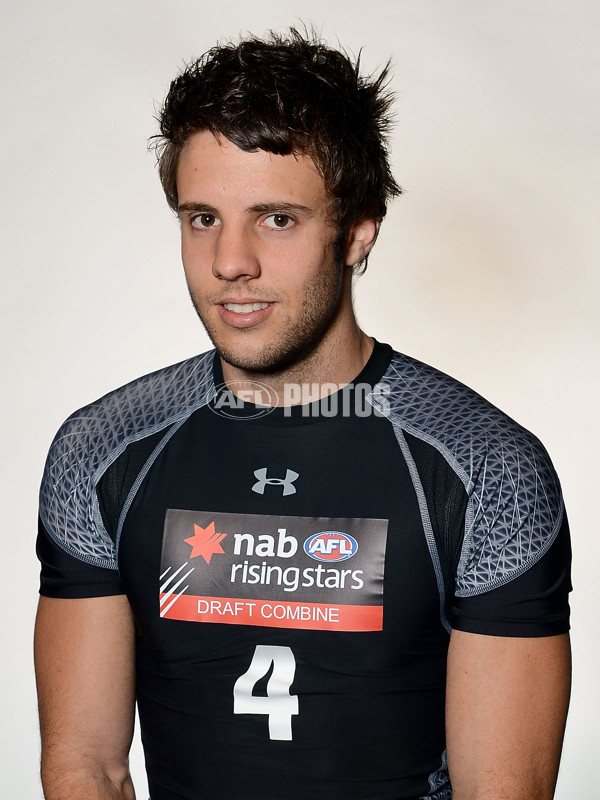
93, 437
439, 408
145, 404
506, 471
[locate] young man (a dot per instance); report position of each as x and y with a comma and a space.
322, 569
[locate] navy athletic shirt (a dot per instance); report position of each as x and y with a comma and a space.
295, 572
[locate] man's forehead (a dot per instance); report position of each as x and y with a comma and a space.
215, 163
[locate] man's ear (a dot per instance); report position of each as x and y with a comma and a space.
360, 240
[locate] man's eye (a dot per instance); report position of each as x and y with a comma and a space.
279, 221
204, 221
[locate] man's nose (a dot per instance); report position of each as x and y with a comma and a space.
235, 254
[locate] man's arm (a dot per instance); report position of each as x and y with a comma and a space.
84, 656
506, 707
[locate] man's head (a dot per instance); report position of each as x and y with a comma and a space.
288, 95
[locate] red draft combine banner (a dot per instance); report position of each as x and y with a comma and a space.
272, 614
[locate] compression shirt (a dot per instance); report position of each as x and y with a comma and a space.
295, 572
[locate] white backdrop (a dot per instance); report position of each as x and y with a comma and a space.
486, 268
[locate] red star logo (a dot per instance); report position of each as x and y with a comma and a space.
205, 542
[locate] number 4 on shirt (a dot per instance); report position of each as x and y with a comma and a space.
278, 705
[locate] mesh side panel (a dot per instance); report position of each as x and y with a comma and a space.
114, 486
447, 500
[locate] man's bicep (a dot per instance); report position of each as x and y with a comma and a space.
506, 706
85, 668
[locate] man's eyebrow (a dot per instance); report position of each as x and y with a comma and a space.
292, 208
197, 207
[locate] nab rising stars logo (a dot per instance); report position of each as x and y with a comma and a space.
330, 546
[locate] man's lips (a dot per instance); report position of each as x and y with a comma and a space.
244, 314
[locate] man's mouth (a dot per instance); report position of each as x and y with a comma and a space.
245, 315
245, 308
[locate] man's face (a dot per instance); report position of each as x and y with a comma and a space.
258, 252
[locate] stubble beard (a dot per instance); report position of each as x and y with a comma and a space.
299, 338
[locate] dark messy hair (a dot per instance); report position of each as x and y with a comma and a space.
288, 94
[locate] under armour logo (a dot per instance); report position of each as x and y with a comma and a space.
287, 482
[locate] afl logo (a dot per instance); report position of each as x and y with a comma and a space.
330, 546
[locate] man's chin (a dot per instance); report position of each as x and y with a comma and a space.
267, 361
238, 352
257, 364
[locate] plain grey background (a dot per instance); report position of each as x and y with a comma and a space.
487, 267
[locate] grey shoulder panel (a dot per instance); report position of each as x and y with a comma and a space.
93, 437
515, 504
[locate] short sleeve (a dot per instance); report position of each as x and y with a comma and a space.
533, 604
64, 576
508, 554
78, 554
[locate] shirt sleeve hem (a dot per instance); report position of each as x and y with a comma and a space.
513, 628
80, 592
